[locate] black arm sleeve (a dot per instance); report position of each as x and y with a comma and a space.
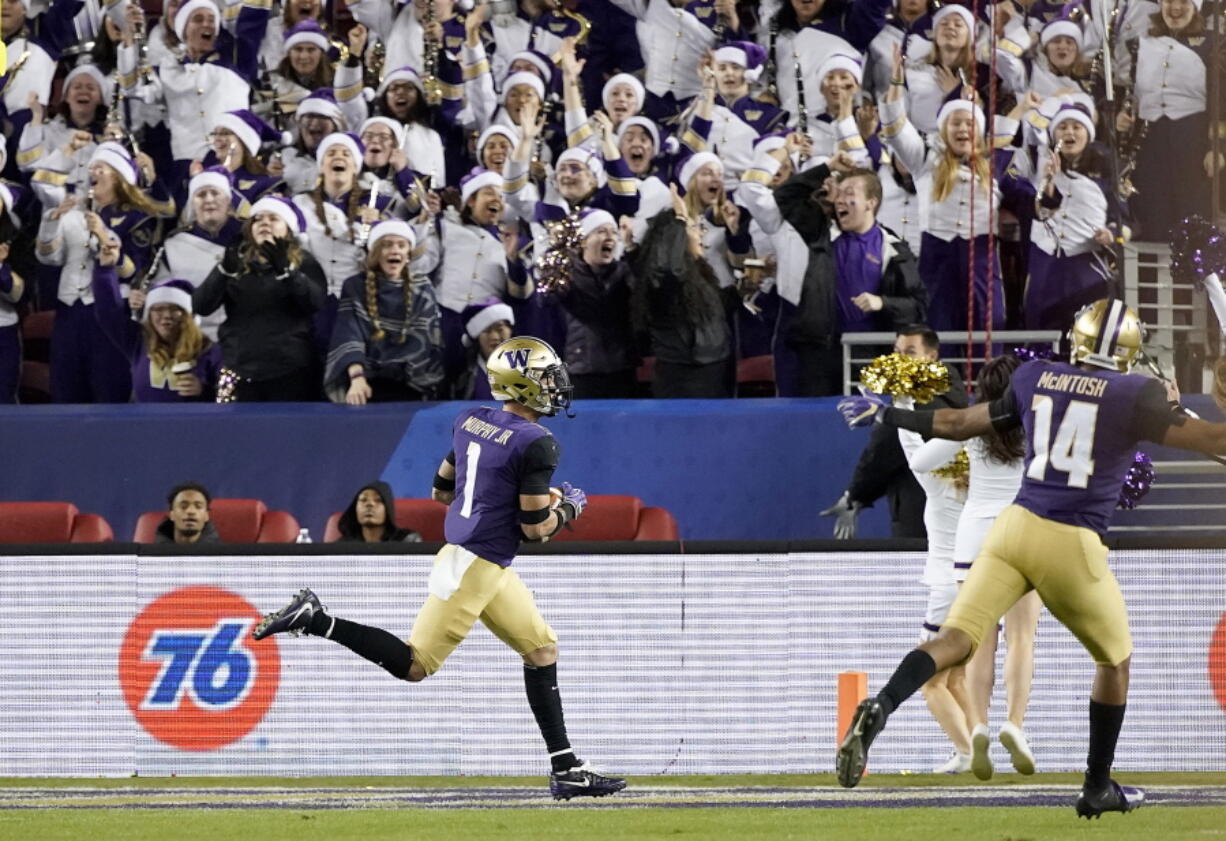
540, 460
879, 466
1153, 416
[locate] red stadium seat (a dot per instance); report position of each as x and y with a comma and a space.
236, 521
755, 376
424, 516
36, 336
617, 517
50, 522
35, 384
608, 517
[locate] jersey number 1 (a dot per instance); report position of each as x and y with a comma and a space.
472, 456
1073, 450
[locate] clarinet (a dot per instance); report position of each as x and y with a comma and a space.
772, 82
1130, 147
94, 245
430, 48
802, 113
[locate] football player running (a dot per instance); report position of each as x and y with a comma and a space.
496, 482
1082, 421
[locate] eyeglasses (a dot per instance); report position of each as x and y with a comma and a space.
379, 136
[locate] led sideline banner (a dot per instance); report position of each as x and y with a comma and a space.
118, 664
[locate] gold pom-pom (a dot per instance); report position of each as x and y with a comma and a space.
906, 376
958, 469
565, 241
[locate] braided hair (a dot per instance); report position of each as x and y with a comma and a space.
372, 296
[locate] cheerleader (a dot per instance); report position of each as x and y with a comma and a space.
957, 197
86, 367
65, 144
1174, 164
387, 344
996, 462
1078, 210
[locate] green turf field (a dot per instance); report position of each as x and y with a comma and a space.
712, 808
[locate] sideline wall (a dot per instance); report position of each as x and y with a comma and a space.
671, 664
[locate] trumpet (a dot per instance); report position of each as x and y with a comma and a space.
430, 83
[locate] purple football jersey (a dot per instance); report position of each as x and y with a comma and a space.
1082, 428
494, 454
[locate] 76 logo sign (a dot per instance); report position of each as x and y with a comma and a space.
209, 667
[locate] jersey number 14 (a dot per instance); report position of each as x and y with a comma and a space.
1073, 450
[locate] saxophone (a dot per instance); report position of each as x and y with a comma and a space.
430, 83
374, 67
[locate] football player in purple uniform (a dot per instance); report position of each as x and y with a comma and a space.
496, 482
1082, 420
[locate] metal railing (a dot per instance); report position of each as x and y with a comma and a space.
854, 355
1174, 497
1175, 314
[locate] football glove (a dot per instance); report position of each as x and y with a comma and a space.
860, 410
573, 499
845, 512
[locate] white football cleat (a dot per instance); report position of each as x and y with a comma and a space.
1014, 740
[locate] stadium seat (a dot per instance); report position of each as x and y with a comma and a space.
36, 336
755, 376
608, 517
424, 516
236, 521
618, 517
51, 522
35, 383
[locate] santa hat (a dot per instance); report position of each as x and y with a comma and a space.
476, 180
523, 77
350, 141
321, 103
841, 61
177, 292
497, 129
479, 316
393, 126
540, 61
745, 53
187, 9
252, 131
593, 218
307, 32
968, 17
391, 228
1076, 113
770, 142
92, 71
400, 74
117, 158
646, 124
217, 177
640, 92
286, 209
1062, 26
11, 194
955, 105
585, 156
694, 163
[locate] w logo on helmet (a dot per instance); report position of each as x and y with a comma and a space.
517, 357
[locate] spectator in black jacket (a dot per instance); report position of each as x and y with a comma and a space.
371, 518
883, 470
598, 351
187, 516
271, 290
678, 304
860, 278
